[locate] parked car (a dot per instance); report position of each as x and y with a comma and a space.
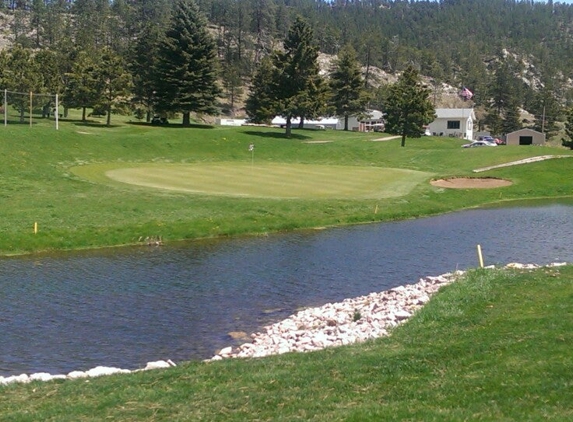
475, 144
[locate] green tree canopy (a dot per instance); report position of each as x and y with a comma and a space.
408, 106
348, 94
296, 73
82, 90
569, 129
261, 106
186, 73
21, 76
115, 83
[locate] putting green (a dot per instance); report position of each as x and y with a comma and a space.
266, 180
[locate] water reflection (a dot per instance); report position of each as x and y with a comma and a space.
126, 307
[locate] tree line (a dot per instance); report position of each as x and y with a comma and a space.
511, 54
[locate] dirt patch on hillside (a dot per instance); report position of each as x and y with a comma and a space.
471, 183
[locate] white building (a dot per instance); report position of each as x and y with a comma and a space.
231, 122
372, 120
525, 137
322, 123
453, 122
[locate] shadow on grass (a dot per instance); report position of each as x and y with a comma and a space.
174, 125
277, 135
93, 123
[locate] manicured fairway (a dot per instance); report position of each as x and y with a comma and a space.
265, 180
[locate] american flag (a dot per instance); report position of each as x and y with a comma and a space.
466, 94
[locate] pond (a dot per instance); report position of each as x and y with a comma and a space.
125, 307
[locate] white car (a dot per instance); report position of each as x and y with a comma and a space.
479, 144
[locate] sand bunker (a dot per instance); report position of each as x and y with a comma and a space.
471, 183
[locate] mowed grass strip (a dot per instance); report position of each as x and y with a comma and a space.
265, 180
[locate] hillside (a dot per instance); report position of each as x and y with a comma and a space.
509, 54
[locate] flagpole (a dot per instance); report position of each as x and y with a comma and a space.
57, 111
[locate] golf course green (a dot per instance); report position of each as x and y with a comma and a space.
266, 180
86, 185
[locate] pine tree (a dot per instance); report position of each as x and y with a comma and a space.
568, 129
48, 64
511, 119
115, 83
186, 77
21, 75
261, 106
348, 94
82, 90
408, 106
142, 67
297, 72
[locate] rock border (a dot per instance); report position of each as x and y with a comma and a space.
334, 324
98, 371
347, 322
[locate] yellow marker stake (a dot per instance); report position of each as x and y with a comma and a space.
35, 228
480, 257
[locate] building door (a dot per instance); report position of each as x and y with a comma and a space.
525, 140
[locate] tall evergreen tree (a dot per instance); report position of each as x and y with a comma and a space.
82, 88
504, 98
48, 64
511, 119
568, 142
142, 67
348, 94
296, 70
186, 77
261, 105
38, 16
21, 76
115, 83
408, 106
547, 110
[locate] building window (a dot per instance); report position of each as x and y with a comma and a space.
453, 124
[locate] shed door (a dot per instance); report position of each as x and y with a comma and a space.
525, 140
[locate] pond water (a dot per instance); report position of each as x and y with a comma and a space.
125, 307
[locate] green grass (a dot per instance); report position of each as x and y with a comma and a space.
267, 180
494, 346
58, 180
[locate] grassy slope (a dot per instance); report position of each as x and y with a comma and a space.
494, 346
36, 184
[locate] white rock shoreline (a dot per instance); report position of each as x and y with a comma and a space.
350, 321
334, 324
98, 371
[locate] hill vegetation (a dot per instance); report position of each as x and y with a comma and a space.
513, 55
